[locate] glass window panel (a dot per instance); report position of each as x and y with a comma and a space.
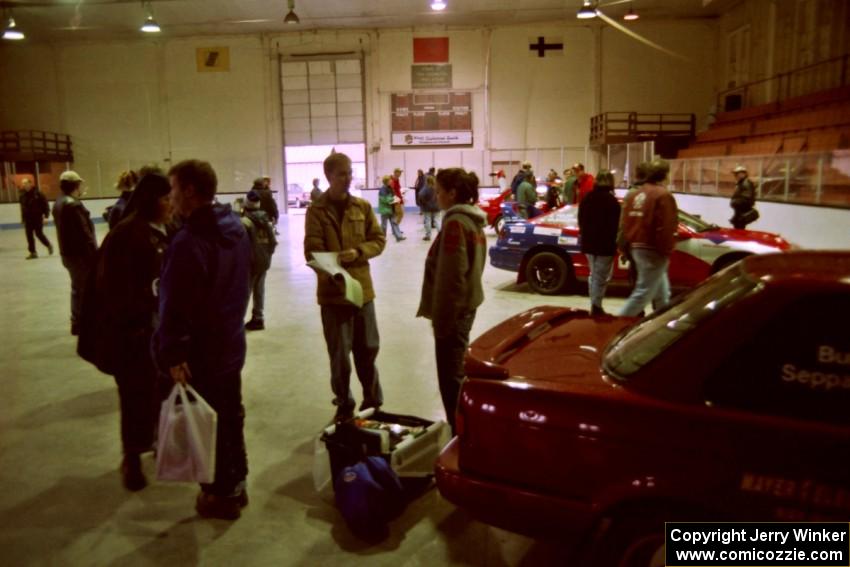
349, 81
320, 68
297, 138
322, 82
322, 110
324, 123
293, 69
322, 95
296, 111
351, 135
348, 66
324, 136
294, 83
349, 95
350, 123
350, 109
298, 124
296, 97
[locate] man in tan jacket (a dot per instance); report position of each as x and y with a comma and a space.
339, 222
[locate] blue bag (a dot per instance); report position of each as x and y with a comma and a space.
369, 495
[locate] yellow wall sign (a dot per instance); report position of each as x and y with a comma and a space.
212, 59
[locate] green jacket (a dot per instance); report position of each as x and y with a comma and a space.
359, 230
452, 287
385, 200
526, 193
568, 191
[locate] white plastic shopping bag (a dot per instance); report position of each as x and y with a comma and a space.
187, 437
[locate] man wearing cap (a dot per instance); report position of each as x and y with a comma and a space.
743, 200
650, 219
263, 186
398, 207
77, 240
34, 211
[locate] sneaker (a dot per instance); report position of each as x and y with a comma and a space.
367, 405
132, 476
400, 238
32, 256
221, 507
50, 249
596, 311
427, 238
255, 325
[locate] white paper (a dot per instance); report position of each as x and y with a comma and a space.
328, 262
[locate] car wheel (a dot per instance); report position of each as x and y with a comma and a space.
726, 261
631, 541
499, 224
548, 273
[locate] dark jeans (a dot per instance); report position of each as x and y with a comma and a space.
224, 394
140, 394
38, 230
258, 285
451, 351
78, 267
349, 330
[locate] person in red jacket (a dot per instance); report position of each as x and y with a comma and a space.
395, 185
584, 182
650, 219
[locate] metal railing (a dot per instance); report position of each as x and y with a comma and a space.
805, 178
826, 74
624, 127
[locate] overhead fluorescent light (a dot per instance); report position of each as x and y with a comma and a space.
630, 16
291, 16
587, 11
150, 25
12, 32
438, 5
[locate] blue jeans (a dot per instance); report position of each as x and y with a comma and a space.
78, 267
349, 330
259, 294
450, 351
652, 283
393, 224
431, 219
601, 269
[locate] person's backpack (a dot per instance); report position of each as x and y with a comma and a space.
369, 495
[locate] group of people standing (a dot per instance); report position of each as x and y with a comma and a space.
451, 290
567, 190
391, 203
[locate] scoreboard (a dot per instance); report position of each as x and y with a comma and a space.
431, 119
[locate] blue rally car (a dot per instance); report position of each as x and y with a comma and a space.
546, 250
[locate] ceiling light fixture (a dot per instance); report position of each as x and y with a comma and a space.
586, 11
12, 32
291, 16
631, 16
150, 25
438, 5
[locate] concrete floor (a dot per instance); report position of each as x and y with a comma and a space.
62, 502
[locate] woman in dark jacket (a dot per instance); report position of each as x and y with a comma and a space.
598, 221
126, 181
126, 297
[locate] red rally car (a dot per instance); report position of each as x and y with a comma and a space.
493, 207
731, 404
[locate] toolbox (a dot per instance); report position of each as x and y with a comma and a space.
409, 444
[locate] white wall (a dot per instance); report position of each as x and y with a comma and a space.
126, 103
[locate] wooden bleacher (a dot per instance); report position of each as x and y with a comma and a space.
811, 123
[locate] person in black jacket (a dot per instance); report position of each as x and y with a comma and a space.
598, 220
34, 211
125, 297
743, 200
263, 186
77, 240
263, 244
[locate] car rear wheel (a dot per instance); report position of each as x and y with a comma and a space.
499, 224
725, 261
548, 273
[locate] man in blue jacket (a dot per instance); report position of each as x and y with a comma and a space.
204, 291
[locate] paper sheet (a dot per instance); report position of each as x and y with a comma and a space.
328, 263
